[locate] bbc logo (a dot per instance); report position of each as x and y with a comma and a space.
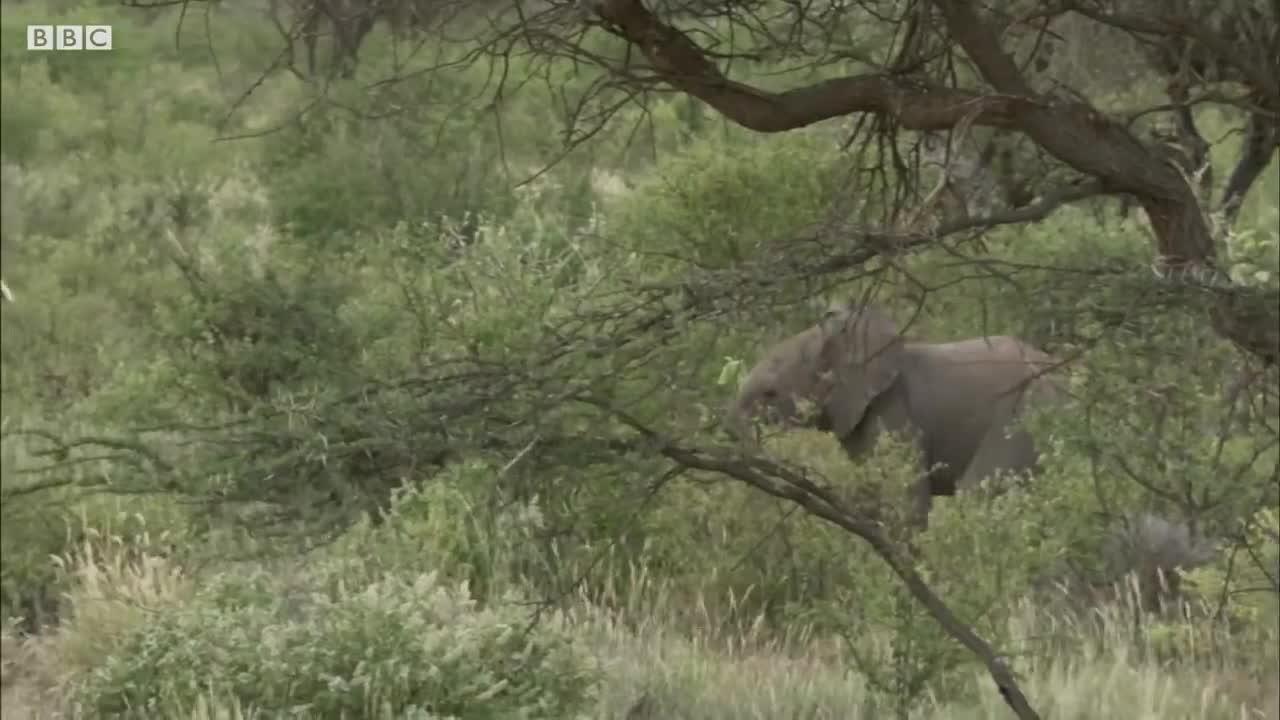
68, 37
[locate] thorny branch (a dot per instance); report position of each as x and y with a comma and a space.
1073, 132
788, 484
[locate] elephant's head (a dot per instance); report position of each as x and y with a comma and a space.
838, 365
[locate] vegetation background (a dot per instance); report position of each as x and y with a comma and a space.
343, 399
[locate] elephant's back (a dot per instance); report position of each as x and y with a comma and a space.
994, 359
987, 349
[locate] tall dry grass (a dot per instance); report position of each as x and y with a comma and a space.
113, 589
667, 655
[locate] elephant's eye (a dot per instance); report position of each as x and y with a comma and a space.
769, 394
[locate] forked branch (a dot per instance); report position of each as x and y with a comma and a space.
1073, 132
788, 484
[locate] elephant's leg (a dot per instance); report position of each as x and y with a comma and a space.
1004, 450
921, 503
922, 489
938, 480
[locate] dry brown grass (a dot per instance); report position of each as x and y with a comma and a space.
657, 668
113, 589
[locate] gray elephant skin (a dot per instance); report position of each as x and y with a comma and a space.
957, 401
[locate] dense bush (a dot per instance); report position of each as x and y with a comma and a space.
399, 647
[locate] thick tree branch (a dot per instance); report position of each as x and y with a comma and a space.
1261, 140
1174, 28
1072, 132
870, 244
800, 491
680, 62
1102, 148
1075, 133
787, 484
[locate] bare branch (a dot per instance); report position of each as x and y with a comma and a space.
684, 65
788, 484
1262, 140
1175, 26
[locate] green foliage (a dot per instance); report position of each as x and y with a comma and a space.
1253, 254
721, 201
981, 553
356, 326
248, 333
445, 525
1186, 443
426, 159
109, 172
868, 598
404, 645
1242, 582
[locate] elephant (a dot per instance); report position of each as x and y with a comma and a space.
956, 401
1151, 548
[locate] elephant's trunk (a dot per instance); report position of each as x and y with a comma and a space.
737, 421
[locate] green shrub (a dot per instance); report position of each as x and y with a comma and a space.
720, 202
1243, 584
408, 645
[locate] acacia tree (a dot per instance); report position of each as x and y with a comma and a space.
949, 64
344, 24
928, 66
924, 66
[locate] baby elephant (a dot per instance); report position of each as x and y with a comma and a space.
957, 401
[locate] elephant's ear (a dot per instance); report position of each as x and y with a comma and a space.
862, 357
